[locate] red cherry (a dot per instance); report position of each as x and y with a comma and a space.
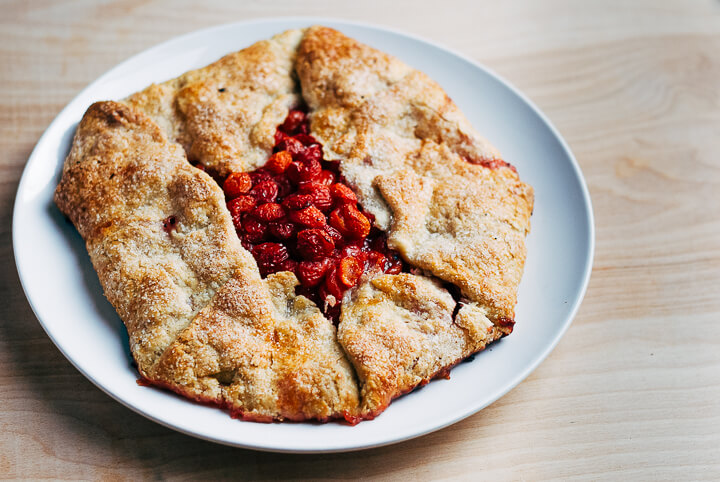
281, 230
349, 271
311, 273
343, 194
269, 212
310, 216
270, 257
308, 170
285, 187
375, 261
239, 206
255, 231
394, 264
354, 249
307, 139
325, 177
265, 191
314, 244
290, 144
311, 153
332, 284
320, 194
278, 162
237, 183
293, 120
297, 201
289, 265
259, 176
334, 234
350, 222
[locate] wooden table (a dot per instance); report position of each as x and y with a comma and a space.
632, 390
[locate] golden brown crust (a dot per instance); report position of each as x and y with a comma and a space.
466, 226
262, 351
417, 165
191, 297
400, 331
224, 115
201, 320
121, 181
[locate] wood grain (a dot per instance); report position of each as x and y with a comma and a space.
633, 389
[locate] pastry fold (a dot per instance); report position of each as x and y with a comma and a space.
200, 319
448, 202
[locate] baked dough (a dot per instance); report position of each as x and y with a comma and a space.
225, 115
204, 323
419, 167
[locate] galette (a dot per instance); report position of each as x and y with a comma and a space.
305, 229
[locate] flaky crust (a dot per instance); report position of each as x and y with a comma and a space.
224, 115
400, 331
121, 180
264, 353
430, 180
202, 321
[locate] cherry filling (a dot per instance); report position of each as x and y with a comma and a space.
296, 213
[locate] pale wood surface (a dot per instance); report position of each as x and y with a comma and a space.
633, 389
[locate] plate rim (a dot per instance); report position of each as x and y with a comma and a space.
511, 383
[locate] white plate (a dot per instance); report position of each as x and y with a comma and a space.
65, 294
